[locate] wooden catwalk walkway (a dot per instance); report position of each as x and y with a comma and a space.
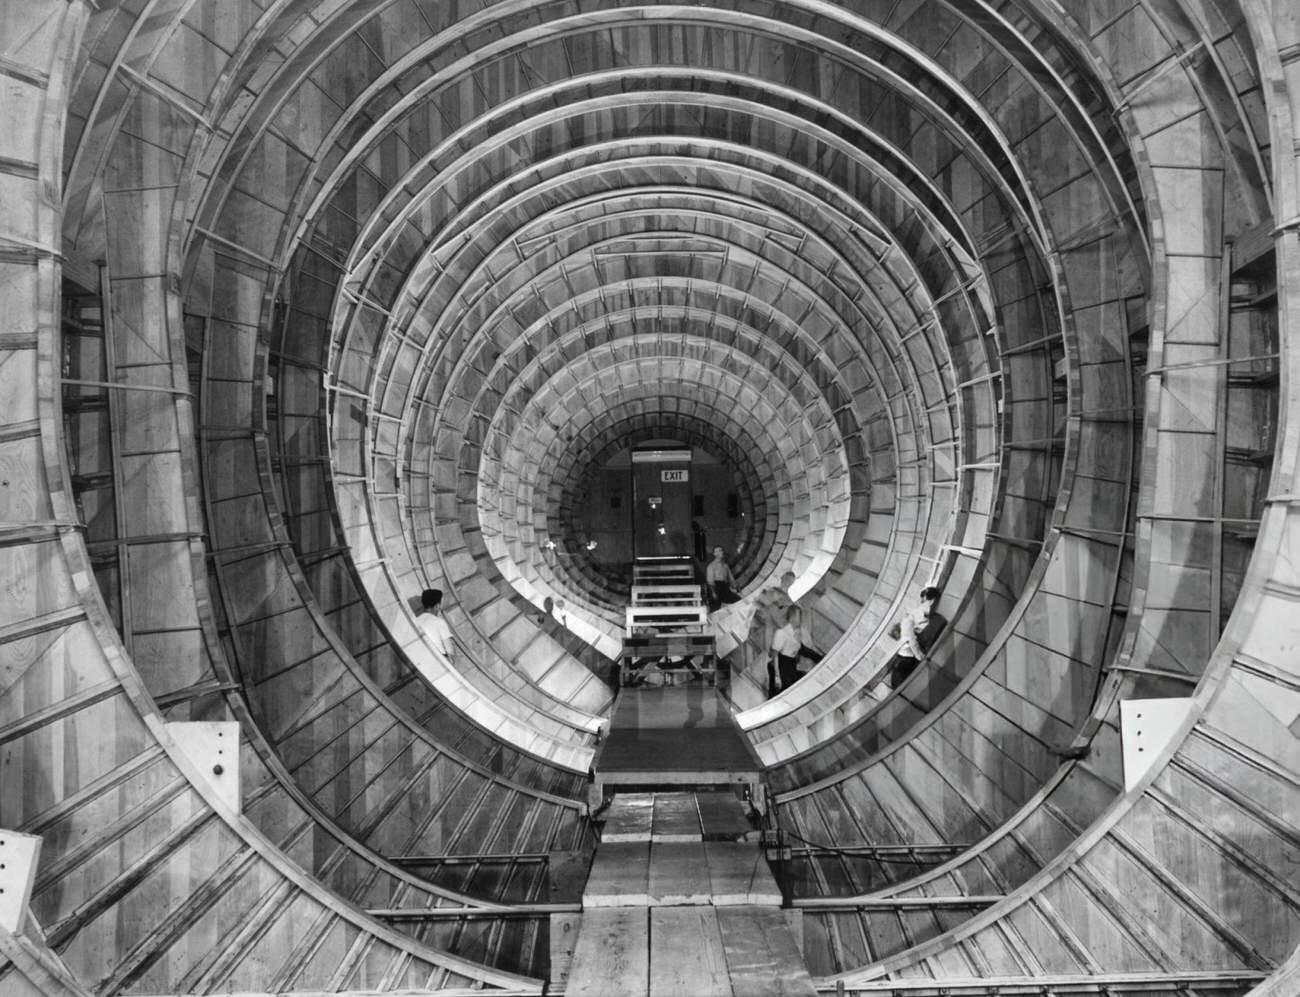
679, 735
680, 903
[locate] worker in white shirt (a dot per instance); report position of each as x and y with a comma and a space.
807, 648
909, 652
721, 584
434, 625
786, 647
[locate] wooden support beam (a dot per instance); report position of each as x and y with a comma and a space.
1049, 984
66, 707
22, 250
1163, 673
167, 95
897, 903
19, 430
145, 540
34, 531
514, 911
869, 851
1214, 362
35, 625
475, 858
23, 73
195, 691
270, 264
239, 551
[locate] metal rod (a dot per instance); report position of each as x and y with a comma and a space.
893, 903
119, 386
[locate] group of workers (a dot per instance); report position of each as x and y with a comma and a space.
779, 631
779, 628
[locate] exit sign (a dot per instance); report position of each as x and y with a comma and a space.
674, 476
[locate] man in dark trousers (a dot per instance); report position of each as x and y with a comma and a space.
720, 581
915, 633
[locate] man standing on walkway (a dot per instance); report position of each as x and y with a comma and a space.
807, 646
910, 652
721, 584
435, 627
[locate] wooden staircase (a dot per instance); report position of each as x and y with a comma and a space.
668, 623
666, 600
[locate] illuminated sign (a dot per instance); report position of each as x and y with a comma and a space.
674, 476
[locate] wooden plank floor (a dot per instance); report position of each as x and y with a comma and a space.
763, 958
677, 873
678, 904
687, 952
683, 730
620, 876
717, 815
612, 956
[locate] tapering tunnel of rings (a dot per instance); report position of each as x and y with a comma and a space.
582, 504
805, 247
408, 279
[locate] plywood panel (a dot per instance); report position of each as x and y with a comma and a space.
612, 955
679, 873
687, 958
620, 875
676, 817
629, 818
739, 874
762, 957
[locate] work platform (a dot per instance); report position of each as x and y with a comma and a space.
673, 736
676, 649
